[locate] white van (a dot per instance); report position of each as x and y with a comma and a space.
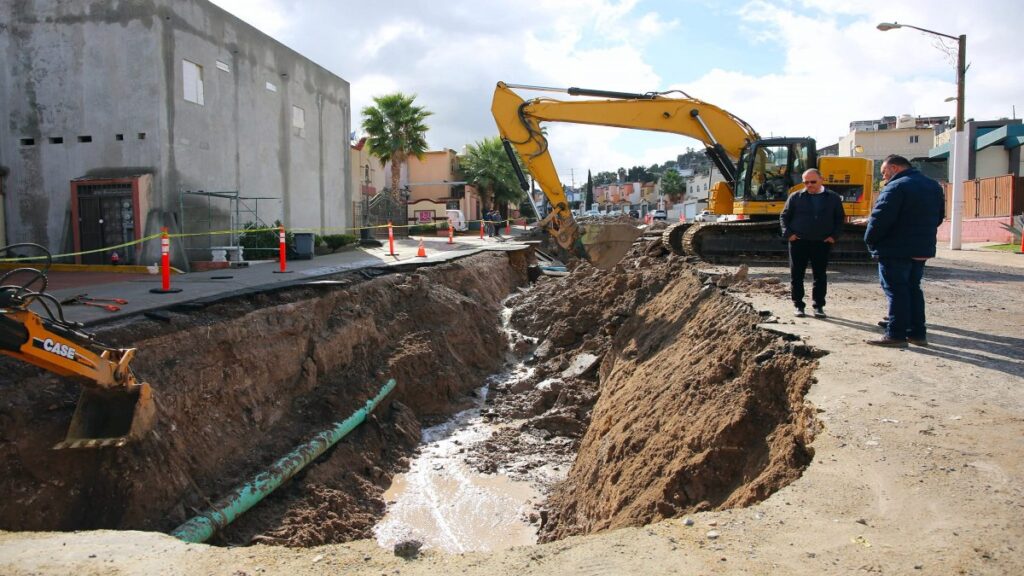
457, 220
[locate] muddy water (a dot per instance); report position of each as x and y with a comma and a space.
448, 505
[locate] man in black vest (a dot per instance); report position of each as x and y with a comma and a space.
811, 222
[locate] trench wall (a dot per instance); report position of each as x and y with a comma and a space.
241, 382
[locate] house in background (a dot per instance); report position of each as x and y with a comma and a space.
698, 189
435, 188
909, 136
123, 118
994, 189
432, 186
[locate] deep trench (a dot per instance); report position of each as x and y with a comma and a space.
657, 383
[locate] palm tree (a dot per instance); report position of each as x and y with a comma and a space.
395, 130
672, 185
487, 168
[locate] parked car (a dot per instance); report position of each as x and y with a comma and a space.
706, 216
634, 214
660, 215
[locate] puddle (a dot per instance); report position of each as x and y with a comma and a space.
450, 506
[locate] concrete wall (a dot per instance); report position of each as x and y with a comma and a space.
103, 69
991, 161
67, 74
878, 144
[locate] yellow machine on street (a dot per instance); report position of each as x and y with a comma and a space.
114, 408
759, 173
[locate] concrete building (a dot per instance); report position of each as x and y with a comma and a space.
994, 150
908, 136
115, 110
994, 190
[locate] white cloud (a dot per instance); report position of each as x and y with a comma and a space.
837, 66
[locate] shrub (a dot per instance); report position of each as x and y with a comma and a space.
335, 241
423, 229
260, 239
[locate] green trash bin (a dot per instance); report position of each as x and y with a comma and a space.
303, 245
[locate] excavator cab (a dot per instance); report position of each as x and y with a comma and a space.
114, 407
766, 173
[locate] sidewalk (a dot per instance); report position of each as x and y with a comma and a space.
257, 276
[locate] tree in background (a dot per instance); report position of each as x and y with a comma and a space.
604, 178
486, 166
672, 186
395, 129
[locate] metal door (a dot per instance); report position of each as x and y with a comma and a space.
106, 218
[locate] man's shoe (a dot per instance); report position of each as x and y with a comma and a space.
819, 312
887, 343
799, 313
917, 341
883, 323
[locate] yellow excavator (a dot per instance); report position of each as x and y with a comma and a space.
759, 173
114, 408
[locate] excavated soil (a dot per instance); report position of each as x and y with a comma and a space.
657, 387
651, 384
241, 382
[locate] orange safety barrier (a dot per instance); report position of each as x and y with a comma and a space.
165, 265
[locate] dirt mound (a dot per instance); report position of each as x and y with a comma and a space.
674, 398
241, 382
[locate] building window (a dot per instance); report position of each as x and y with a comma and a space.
119, 137
913, 139
56, 140
223, 66
28, 141
192, 79
298, 121
85, 139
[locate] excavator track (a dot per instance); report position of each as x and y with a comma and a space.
672, 237
755, 243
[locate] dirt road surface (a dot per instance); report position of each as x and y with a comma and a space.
918, 468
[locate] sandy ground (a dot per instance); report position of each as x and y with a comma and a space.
918, 469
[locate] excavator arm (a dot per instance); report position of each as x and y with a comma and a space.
518, 120
114, 407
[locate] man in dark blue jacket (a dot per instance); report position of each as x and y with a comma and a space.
811, 222
901, 233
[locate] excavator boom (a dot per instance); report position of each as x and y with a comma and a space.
519, 122
759, 174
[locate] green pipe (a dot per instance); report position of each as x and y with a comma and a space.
227, 509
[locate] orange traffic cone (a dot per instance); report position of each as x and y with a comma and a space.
422, 252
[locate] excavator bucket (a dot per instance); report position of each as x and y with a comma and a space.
606, 243
110, 417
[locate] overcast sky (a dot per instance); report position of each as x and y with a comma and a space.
787, 67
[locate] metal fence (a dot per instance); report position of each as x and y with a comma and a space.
383, 208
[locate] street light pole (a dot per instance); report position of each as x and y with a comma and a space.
960, 152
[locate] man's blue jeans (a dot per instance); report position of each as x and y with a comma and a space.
901, 282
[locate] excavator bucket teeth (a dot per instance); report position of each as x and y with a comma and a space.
110, 418
606, 243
